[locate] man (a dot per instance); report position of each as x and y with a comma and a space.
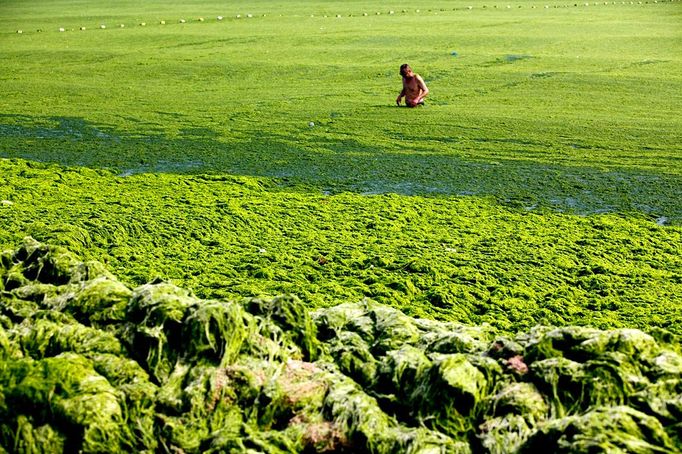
414, 88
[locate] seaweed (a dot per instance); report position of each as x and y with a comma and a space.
31, 439
603, 429
100, 300
65, 392
353, 357
216, 331
291, 315
39, 338
93, 366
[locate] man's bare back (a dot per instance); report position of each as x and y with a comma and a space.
414, 89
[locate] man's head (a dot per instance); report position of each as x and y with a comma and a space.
405, 70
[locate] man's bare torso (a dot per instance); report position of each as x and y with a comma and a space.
413, 87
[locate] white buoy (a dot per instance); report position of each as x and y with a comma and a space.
82, 29
61, 29
311, 124
142, 24
391, 12
201, 19
364, 14
122, 26
220, 18
163, 22
338, 16
470, 7
182, 21
102, 26
238, 16
249, 15
20, 31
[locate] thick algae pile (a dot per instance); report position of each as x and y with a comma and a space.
86, 364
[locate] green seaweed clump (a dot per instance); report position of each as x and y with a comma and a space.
88, 365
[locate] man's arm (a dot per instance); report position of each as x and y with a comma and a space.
400, 96
424, 90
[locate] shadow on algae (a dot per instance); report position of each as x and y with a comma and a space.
334, 166
90, 365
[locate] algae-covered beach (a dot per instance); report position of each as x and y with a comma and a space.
221, 234
90, 365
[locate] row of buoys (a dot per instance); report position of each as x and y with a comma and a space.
392, 12
62, 29
378, 13
585, 4
143, 24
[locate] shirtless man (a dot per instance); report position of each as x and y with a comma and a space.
414, 88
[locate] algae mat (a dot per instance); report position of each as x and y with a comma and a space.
541, 185
89, 365
463, 259
528, 191
572, 106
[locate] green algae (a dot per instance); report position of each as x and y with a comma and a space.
228, 238
353, 357
523, 119
30, 439
182, 373
614, 428
66, 392
39, 338
291, 316
313, 214
520, 398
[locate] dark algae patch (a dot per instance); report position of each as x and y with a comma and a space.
89, 365
533, 181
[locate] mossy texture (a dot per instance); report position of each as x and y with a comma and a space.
538, 190
175, 373
462, 259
